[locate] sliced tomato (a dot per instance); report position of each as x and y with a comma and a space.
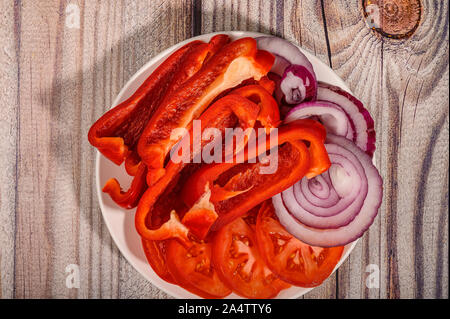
289, 258
237, 259
155, 251
192, 269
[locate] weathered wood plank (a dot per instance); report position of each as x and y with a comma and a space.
8, 144
303, 25
36, 165
257, 16
99, 77
402, 83
296, 21
68, 77
149, 28
350, 45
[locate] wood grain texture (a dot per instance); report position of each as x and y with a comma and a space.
56, 80
402, 82
8, 143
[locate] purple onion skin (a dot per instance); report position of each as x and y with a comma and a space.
340, 125
299, 90
362, 115
353, 230
299, 82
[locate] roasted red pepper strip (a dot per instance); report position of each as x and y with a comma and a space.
119, 128
188, 66
130, 198
155, 251
132, 163
239, 101
246, 186
236, 62
195, 60
222, 114
269, 116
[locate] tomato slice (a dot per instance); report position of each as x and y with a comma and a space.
192, 269
155, 251
289, 258
237, 259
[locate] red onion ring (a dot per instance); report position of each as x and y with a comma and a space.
298, 84
298, 80
350, 220
284, 49
344, 210
360, 119
332, 116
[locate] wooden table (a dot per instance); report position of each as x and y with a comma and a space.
59, 74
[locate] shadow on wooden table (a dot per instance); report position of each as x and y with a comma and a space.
89, 71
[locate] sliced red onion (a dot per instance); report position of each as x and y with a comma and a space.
279, 65
360, 119
284, 49
310, 218
332, 116
298, 80
298, 84
278, 93
321, 213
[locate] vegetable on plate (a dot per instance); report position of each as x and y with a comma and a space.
297, 80
272, 211
289, 258
339, 206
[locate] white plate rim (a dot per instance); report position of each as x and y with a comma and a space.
147, 272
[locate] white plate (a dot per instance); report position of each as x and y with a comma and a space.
120, 222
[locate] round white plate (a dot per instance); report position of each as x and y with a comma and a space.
120, 222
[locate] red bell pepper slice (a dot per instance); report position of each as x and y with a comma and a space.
131, 118
222, 114
130, 198
234, 63
119, 128
269, 116
132, 162
265, 82
240, 102
268, 84
244, 187
201, 216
